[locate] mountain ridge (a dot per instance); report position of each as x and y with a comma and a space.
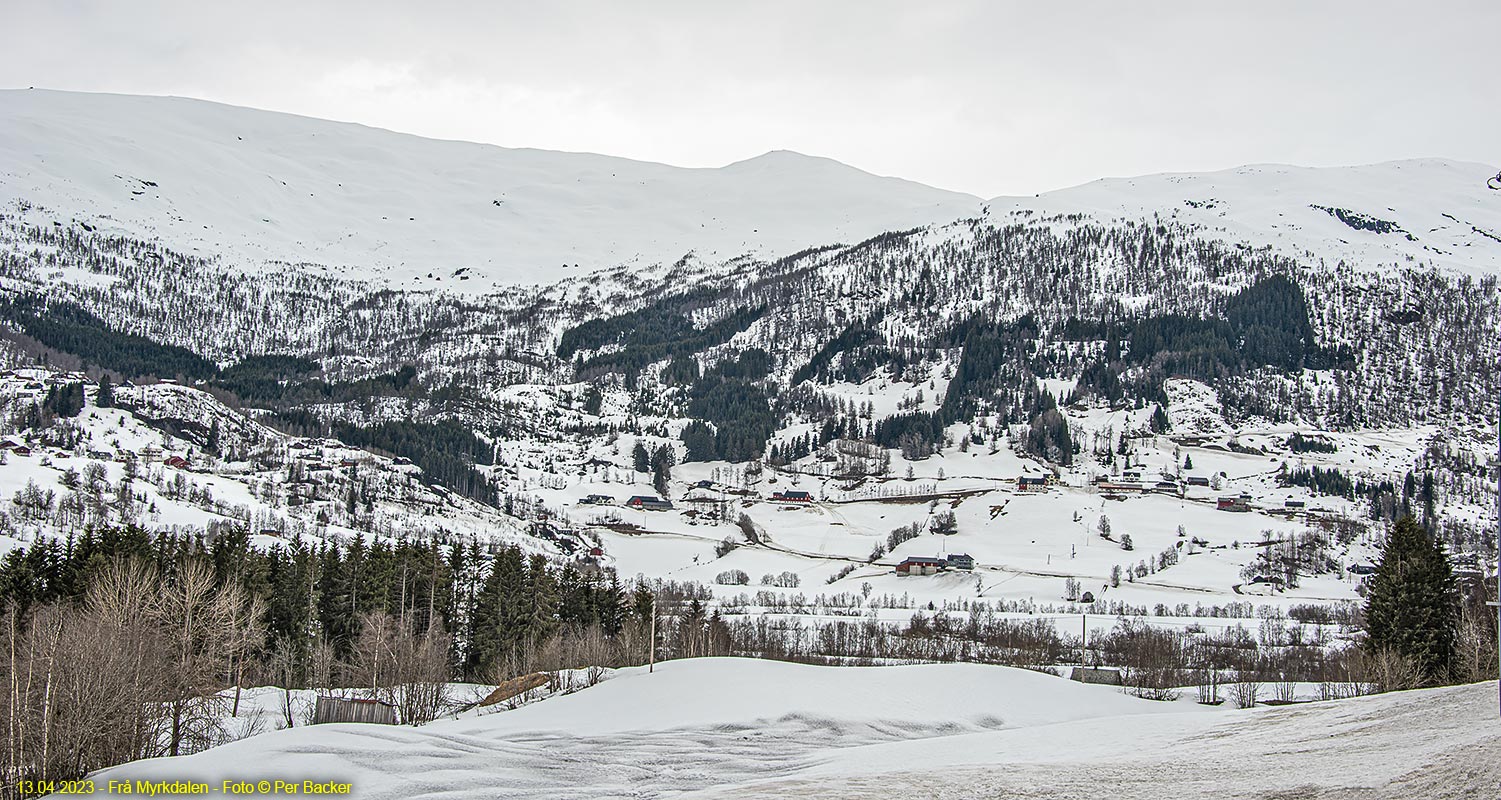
265, 188
1413, 211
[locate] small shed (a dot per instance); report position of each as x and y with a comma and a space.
350, 709
1101, 675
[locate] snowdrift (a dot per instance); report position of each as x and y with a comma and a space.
690, 725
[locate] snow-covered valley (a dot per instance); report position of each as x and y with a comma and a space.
428, 412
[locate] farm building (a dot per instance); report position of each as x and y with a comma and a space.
1240, 503
1293, 504
1197, 480
341, 709
961, 561
1031, 483
598, 500
791, 497
922, 565
649, 503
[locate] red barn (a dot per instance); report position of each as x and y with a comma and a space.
922, 565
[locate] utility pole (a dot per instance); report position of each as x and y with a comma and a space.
651, 665
1497, 604
1083, 637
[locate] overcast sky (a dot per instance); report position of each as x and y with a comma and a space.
984, 97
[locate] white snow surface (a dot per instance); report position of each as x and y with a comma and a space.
745, 728
258, 187
1444, 213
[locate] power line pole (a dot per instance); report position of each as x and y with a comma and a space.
1083, 637
652, 662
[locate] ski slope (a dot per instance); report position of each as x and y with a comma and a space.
748, 728
257, 188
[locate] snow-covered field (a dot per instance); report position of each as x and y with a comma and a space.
748, 728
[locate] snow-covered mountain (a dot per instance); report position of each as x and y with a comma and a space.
1421, 211
255, 188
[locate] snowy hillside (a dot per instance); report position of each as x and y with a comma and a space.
146, 462
737, 728
1427, 211
256, 187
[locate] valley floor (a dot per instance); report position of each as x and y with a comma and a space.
738, 728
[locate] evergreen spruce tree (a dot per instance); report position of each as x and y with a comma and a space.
661, 469
541, 599
1412, 607
106, 396
499, 622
